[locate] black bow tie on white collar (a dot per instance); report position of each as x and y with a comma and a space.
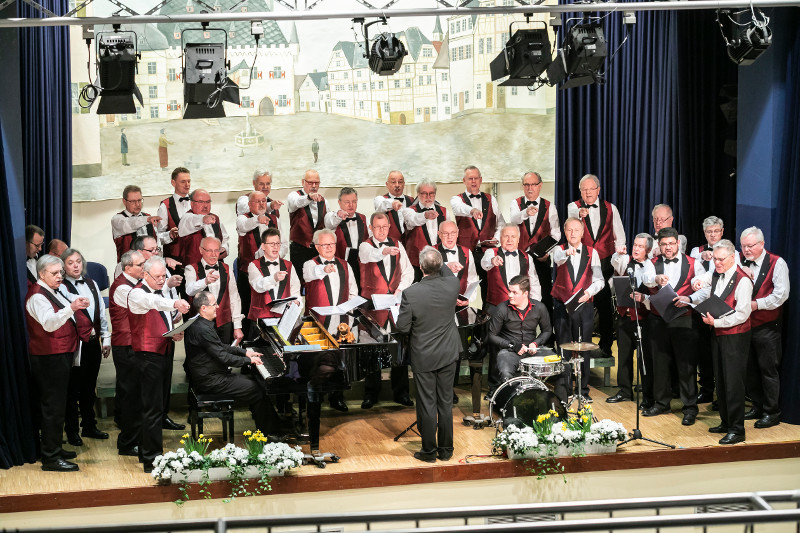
351, 219
514, 253
79, 281
531, 202
329, 262
450, 251
638, 263
673, 260
591, 205
423, 209
212, 267
384, 243
273, 263
184, 199
474, 195
748, 263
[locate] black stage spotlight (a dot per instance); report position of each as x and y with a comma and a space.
749, 38
524, 58
116, 65
385, 55
580, 60
205, 80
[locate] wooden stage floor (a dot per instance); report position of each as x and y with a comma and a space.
370, 457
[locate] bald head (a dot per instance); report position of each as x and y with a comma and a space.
257, 201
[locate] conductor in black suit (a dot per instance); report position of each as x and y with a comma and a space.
208, 360
426, 315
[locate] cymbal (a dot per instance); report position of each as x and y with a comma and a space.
579, 346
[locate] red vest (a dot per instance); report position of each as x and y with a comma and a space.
684, 287
729, 297
763, 287
463, 258
120, 325
224, 297
640, 309
301, 228
396, 232
541, 227
41, 342
497, 291
149, 328
172, 249
190, 244
343, 236
563, 286
374, 279
318, 291
123, 242
417, 238
259, 301
468, 233
603, 242
250, 242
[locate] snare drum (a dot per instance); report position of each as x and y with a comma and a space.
536, 367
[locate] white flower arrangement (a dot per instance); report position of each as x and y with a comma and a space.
177, 462
562, 435
606, 432
519, 440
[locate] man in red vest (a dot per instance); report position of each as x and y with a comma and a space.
479, 219
197, 223
732, 337
385, 269
170, 211
393, 202
131, 221
54, 329
536, 218
262, 182
603, 231
271, 278
211, 274
127, 392
150, 317
351, 229
675, 340
422, 221
577, 269
502, 264
307, 210
770, 276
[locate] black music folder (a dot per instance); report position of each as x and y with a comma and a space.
543, 247
573, 304
664, 304
623, 290
714, 305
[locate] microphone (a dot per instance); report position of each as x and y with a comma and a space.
632, 277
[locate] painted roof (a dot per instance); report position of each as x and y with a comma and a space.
443, 59
320, 80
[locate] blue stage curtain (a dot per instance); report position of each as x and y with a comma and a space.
47, 122
654, 132
788, 218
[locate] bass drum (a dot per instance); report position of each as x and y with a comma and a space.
522, 400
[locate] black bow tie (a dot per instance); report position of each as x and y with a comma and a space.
329, 262
638, 263
531, 202
423, 209
474, 195
385, 243
268, 263
514, 253
590, 205
212, 267
450, 251
184, 199
673, 260
79, 281
748, 263
351, 219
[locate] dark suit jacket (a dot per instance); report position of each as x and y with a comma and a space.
207, 357
427, 314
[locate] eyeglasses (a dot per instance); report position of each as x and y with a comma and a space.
721, 259
156, 278
133, 201
327, 245
203, 202
311, 182
662, 219
217, 251
139, 264
57, 273
449, 234
531, 184
152, 250
711, 231
36, 245
272, 243
751, 246
589, 189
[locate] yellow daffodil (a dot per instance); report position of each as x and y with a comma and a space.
182, 441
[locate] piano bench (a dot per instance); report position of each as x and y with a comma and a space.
202, 406
605, 363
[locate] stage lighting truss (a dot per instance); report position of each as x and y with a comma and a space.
746, 41
116, 61
385, 54
525, 57
205, 76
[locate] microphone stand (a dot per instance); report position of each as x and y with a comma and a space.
636, 434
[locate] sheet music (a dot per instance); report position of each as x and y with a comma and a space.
340, 309
288, 320
470, 290
384, 301
395, 310
182, 327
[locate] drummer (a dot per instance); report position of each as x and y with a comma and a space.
517, 329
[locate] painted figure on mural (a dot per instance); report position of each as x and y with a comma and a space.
163, 155
123, 147
315, 150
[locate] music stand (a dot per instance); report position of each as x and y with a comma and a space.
409, 428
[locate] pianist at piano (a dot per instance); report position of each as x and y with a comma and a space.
207, 365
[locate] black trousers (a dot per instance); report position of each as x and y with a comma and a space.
81, 392
730, 364
243, 286
51, 374
705, 363
225, 332
626, 345
128, 396
605, 309
674, 342
354, 263
299, 254
435, 409
545, 274
167, 379
153, 368
763, 380
417, 274
399, 379
482, 275
244, 388
570, 328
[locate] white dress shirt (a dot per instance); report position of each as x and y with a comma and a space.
594, 220
511, 266
121, 293
41, 309
644, 272
263, 283
140, 302
460, 209
371, 254
415, 219
332, 222
31, 264
780, 282
192, 223
124, 225
163, 212
313, 271
743, 294
384, 205
518, 216
194, 285
245, 225
673, 272
560, 257
296, 201
84, 290
451, 256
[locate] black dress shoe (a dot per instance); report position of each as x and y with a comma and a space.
753, 414
65, 454
367, 403
426, 458
654, 411
130, 452
705, 397
618, 397
59, 465
715, 405
444, 456
169, 423
405, 400
647, 404
689, 419
339, 405
767, 421
455, 398
731, 438
718, 429
94, 433
74, 439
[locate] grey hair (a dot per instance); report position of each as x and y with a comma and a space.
72, 251
511, 227
752, 230
532, 173
128, 257
430, 260
472, 167
320, 232
261, 172
725, 244
347, 190
200, 299
592, 177
45, 261
661, 206
648, 238
426, 182
713, 221
154, 260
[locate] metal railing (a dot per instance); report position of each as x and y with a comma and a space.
747, 508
